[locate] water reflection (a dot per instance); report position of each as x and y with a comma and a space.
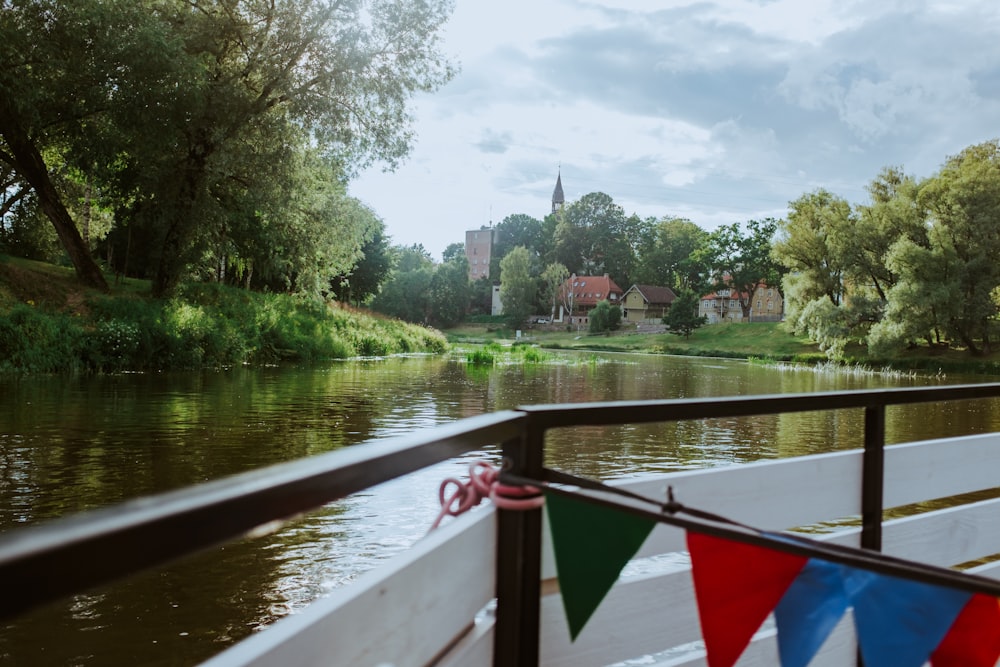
68, 445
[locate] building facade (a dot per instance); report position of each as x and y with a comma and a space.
646, 303
478, 250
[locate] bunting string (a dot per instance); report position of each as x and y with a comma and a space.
905, 613
715, 525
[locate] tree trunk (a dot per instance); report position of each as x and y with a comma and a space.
30, 165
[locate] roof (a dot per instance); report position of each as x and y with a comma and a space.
654, 295
557, 194
732, 293
589, 290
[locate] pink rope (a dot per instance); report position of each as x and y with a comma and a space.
484, 483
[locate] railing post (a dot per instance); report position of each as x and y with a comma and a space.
872, 474
519, 561
872, 484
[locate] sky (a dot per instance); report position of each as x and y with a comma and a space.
718, 111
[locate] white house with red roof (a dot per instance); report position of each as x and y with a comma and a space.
580, 294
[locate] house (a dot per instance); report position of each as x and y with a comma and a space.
478, 250
580, 294
723, 305
646, 303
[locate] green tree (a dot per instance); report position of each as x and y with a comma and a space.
742, 260
517, 286
665, 251
808, 246
236, 92
683, 318
955, 274
367, 276
64, 64
804, 246
554, 277
404, 294
516, 230
449, 292
481, 296
604, 318
593, 236
453, 251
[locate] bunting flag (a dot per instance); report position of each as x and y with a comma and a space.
720, 567
974, 639
899, 622
592, 544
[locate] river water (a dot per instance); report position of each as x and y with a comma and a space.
70, 444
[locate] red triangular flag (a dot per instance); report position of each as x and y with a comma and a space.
737, 585
974, 638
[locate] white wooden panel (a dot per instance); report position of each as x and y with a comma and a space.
640, 616
991, 570
940, 468
839, 650
402, 613
773, 495
946, 537
475, 649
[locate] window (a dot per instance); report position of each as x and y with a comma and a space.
576, 284
769, 304
732, 303
770, 292
475, 251
598, 295
613, 296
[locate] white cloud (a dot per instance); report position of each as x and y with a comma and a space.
719, 111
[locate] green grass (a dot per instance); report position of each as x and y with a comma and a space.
49, 324
759, 342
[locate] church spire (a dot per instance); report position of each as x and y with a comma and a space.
557, 195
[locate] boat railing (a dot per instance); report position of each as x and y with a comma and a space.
481, 589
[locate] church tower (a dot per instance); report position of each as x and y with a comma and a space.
558, 200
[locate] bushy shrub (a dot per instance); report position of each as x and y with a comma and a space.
36, 342
605, 317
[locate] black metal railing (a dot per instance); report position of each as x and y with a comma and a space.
44, 563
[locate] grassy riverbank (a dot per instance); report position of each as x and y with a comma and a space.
766, 341
49, 324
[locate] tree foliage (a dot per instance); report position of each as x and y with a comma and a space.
605, 317
404, 294
665, 254
594, 236
553, 278
449, 292
260, 110
517, 286
741, 259
683, 318
369, 273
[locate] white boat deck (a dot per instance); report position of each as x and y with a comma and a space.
431, 604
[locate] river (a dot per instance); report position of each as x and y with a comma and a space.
70, 444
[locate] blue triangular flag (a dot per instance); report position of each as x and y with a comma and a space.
899, 622
808, 612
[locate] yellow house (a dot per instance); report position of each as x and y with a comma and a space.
646, 303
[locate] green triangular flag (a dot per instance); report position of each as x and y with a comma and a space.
592, 544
